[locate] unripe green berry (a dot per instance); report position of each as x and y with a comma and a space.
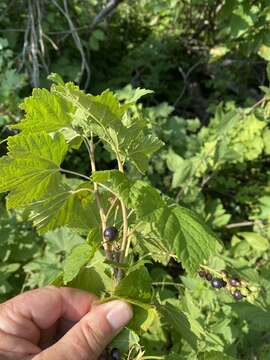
253, 289
245, 291
224, 274
251, 298
243, 283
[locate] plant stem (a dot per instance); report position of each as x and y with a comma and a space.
75, 173
134, 228
110, 208
124, 245
1, 142
211, 270
167, 283
91, 152
245, 223
258, 103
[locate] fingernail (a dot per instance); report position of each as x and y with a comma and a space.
120, 314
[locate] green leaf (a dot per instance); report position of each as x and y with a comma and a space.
136, 285
179, 322
215, 355
173, 356
74, 207
138, 94
119, 183
45, 111
256, 241
140, 147
43, 270
94, 237
241, 21
266, 139
79, 256
31, 169
217, 52
56, 78
144, 316
62, 240
95, 278
173, 229
264, 52
181, 168
99, 34
132, 95
125, 340
257, 318
103, 114
135, 288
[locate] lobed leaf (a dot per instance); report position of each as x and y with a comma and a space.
136, 285
79, 256
31, 169
45, 111
103, 114
74, 207
177, 319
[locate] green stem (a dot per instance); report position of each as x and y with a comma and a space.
1, 142
111, 207
91, 152
75, 173
211, 270
124, 245
167, 283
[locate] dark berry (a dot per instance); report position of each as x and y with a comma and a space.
224, 283
208, 276
110, 233
202, 273
115, 354
234, 282
238, 295
217, 283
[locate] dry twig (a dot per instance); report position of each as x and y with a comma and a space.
84, 65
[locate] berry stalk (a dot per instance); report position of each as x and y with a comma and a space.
125, 228
91, 152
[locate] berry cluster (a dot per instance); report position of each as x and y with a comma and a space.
239, 289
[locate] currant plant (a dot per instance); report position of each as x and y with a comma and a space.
127, 224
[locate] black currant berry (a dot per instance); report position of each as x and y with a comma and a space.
202, 273
224, 283
110, 233
115, 354
238, 295
208, 276
217, 283
234, 282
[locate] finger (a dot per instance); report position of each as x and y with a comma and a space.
26, 314
89, 337
12, 347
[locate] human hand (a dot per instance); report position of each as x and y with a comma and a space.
59, 324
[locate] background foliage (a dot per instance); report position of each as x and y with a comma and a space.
207, 64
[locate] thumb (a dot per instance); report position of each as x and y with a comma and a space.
89, 337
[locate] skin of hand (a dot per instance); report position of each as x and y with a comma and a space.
59, 324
